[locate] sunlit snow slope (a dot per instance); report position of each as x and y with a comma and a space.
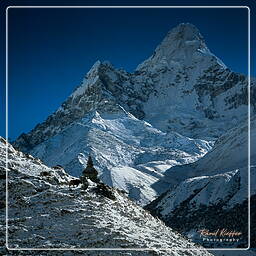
129, 153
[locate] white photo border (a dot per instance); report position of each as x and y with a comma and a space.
132, 249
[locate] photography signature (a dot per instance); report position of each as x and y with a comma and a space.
220, 235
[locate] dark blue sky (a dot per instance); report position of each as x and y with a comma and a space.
50, 50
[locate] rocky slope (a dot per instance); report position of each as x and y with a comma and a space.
43, 212
183, 92
213, 192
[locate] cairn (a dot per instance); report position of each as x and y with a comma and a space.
90, 172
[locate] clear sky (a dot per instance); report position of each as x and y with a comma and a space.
50, 50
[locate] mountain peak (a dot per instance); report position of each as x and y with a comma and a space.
185, 31
182, 47
99, 65
184, 37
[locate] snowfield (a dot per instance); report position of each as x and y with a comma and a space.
129, 153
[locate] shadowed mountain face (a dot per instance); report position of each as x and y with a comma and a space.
212, 193
168, 112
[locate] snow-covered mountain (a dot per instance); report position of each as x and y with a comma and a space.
43, 212
213, 192
137, 125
